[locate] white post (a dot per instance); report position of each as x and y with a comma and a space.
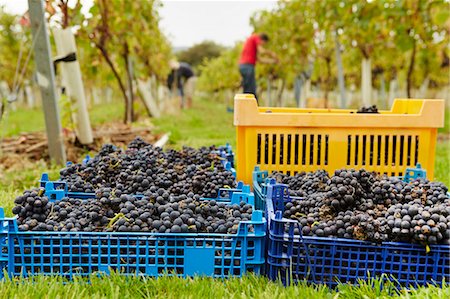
298, 84
29, 94
96, 97
423, 90
21, 97
108, 95
269, 92
306, 93
383, 92
4, 89
154, 88
162, 93
145, 89
340, 68
392, 91
71, 78
366, 81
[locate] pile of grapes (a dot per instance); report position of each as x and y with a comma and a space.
156, 211
142, 166
362, 205
170, 185
370, 109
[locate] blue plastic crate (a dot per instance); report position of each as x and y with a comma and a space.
3, 244
293, 257
152, 254
415, 173
227, 152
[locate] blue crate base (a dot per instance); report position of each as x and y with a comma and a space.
332, 260
318, 260
292, 257
412, 266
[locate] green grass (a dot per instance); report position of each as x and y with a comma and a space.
14, 181
251, 286
32, 120
206, 124
446, 128
442, 163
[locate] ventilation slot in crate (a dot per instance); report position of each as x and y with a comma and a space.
382, 150
292, 149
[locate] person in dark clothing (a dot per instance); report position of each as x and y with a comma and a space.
182, 78
253, 51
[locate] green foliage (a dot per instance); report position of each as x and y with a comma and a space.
67, 111
221, 72
442, 164
13, 38
196, 54
129, 28
386, 31
127, 33
290, 28
152, 48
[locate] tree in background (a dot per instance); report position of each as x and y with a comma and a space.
126, 32
221, 72
422, 32
13, 38
290, 29
196, 54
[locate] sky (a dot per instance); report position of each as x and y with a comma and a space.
187, 22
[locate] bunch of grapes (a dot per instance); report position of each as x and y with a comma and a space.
365, 206
35, 207
303, 183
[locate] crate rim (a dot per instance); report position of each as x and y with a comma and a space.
248, 114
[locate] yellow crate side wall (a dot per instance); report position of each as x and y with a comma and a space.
338, 150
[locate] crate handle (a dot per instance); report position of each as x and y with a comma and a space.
292, 223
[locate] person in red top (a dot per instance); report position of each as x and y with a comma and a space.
252, 52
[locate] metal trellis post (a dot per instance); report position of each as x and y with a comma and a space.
46, 81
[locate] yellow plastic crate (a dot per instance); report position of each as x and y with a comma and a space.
291, 140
